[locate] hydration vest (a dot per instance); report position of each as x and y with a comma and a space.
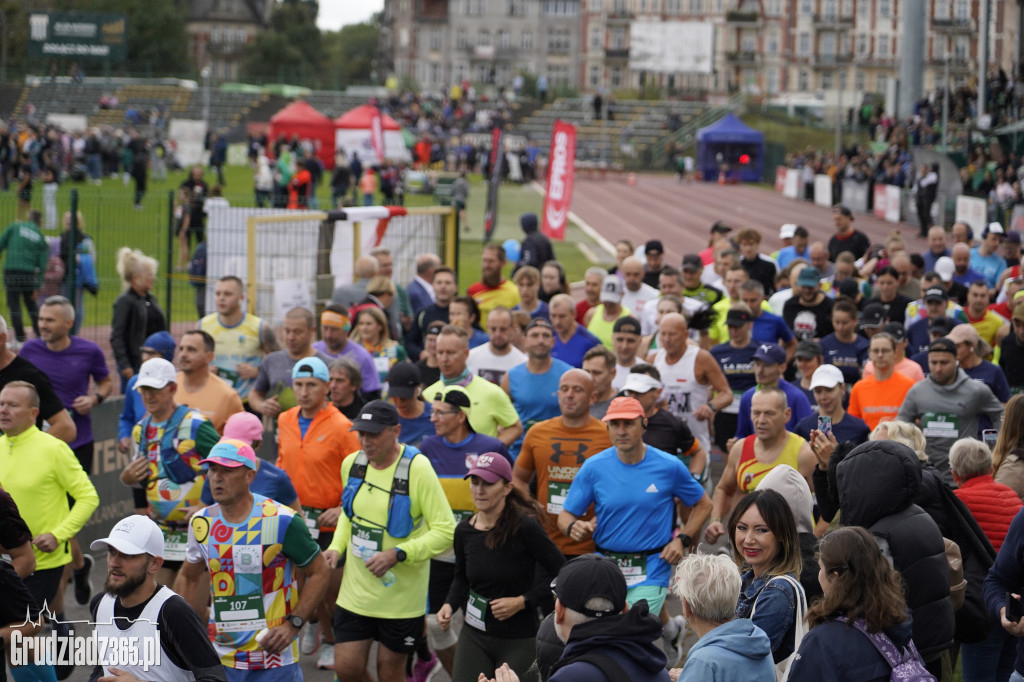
400, 522
176, 432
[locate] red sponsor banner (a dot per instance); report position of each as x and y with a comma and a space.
780, 179
561, 171
377, 135
881, 203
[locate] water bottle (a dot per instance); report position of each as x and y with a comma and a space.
388, 579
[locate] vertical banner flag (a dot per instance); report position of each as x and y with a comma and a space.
377, 135
497, 156
561, 170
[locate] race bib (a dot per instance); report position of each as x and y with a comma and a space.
462, 515
633, 567
476, 611
557, 491
940, 425
312, 516
228, 375
175, 542
382, 365
734, 406
239, 613
366, 540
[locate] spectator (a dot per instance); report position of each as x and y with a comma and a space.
137, 315
1008, 454
536, 248
27, 253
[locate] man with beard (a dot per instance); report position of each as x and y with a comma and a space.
493, 359
270, 547
809, 313
493, 289
200, 389
135, 605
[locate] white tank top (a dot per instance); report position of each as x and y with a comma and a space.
145, 628
683, 394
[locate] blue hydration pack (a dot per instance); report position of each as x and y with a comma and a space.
400, 521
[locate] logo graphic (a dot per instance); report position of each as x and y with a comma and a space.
558, 197
651, 489
123, 650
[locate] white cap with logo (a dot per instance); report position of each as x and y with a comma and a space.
134, 535
156, 373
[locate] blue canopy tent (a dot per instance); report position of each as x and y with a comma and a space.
731, 146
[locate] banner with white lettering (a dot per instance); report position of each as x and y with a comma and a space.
561, 170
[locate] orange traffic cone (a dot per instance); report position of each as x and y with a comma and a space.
631, 179
721, 177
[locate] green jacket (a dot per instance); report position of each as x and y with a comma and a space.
27, 250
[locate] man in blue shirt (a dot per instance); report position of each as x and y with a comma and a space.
572, 340
768, 327
632, 487
985, 258
533, 385
797, 249
769, 364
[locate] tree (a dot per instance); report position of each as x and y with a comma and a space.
349, 53
291, 45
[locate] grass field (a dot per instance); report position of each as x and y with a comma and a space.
111, 220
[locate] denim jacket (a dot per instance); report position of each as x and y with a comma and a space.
775, 613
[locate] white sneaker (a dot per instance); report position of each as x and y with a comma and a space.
673, 645
309, 638
326, 659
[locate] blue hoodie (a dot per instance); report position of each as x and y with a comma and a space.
737, 651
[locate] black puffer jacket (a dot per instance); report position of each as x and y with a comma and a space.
536, 248
877, 485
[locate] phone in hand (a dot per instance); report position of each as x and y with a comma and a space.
1014, 609
989, 436
825, 424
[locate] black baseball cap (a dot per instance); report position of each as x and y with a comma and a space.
434, 328
692, 262
808, 349
848, 287
654, 246
873, 315
403, 380
720, 228
842, 210
589, 576
895, 330
942, 345
940, 325
540, 322
626, 325
375, 416
456, 396
737, 318
936, 294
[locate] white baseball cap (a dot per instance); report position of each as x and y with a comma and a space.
156, 373
611, 289
640, 383
787, 231
945, 268
134, 535
826, 376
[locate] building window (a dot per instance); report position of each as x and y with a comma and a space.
435, 73
862, 45
828, 44
773, 8
772, 84
517, 8
962, 9
461, 39
595, 37
883, 45
939, 48
885, 8
483, 37
941, 9
561, 8
962, 47
806, 7
826, 80
858, 81
748, 43
829, 9
617, 77
694, 6
803, 81
618, 38
595, 76
435, 39
863, 7
504, 39
772, 44
804, 44
527, 40
558, 41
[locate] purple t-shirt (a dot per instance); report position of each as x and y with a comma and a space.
359, 355
69, 371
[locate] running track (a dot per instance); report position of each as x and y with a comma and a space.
681, 214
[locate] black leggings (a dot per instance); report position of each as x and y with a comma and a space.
20, 287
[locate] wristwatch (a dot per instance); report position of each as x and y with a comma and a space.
296, 621
685, 539
400, 554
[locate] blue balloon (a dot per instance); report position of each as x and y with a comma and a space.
512, 250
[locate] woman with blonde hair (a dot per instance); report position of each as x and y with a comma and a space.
371, 330
1008, 454
137, 315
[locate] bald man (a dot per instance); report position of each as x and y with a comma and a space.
637, 294
695, 388
963, 273
348, 295
556, 448
572, 339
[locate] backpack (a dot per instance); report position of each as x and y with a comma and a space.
176, 431
907, 665
400, 521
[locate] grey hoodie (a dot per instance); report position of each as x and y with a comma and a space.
948, 413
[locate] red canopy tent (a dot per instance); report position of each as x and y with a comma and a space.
353, 134
299, 118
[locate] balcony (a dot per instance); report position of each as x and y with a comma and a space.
871, 60
832, 61
952, 25
430, 11
742, 17
832, 22
741, 57
226, 49
491, 53
616, 54
619, 16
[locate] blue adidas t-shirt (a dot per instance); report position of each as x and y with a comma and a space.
850, 358
270, 482
633, 504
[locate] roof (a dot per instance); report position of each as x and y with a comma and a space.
729, 129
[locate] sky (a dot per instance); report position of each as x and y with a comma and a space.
337, 13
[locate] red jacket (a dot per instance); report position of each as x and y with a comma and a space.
993, 505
